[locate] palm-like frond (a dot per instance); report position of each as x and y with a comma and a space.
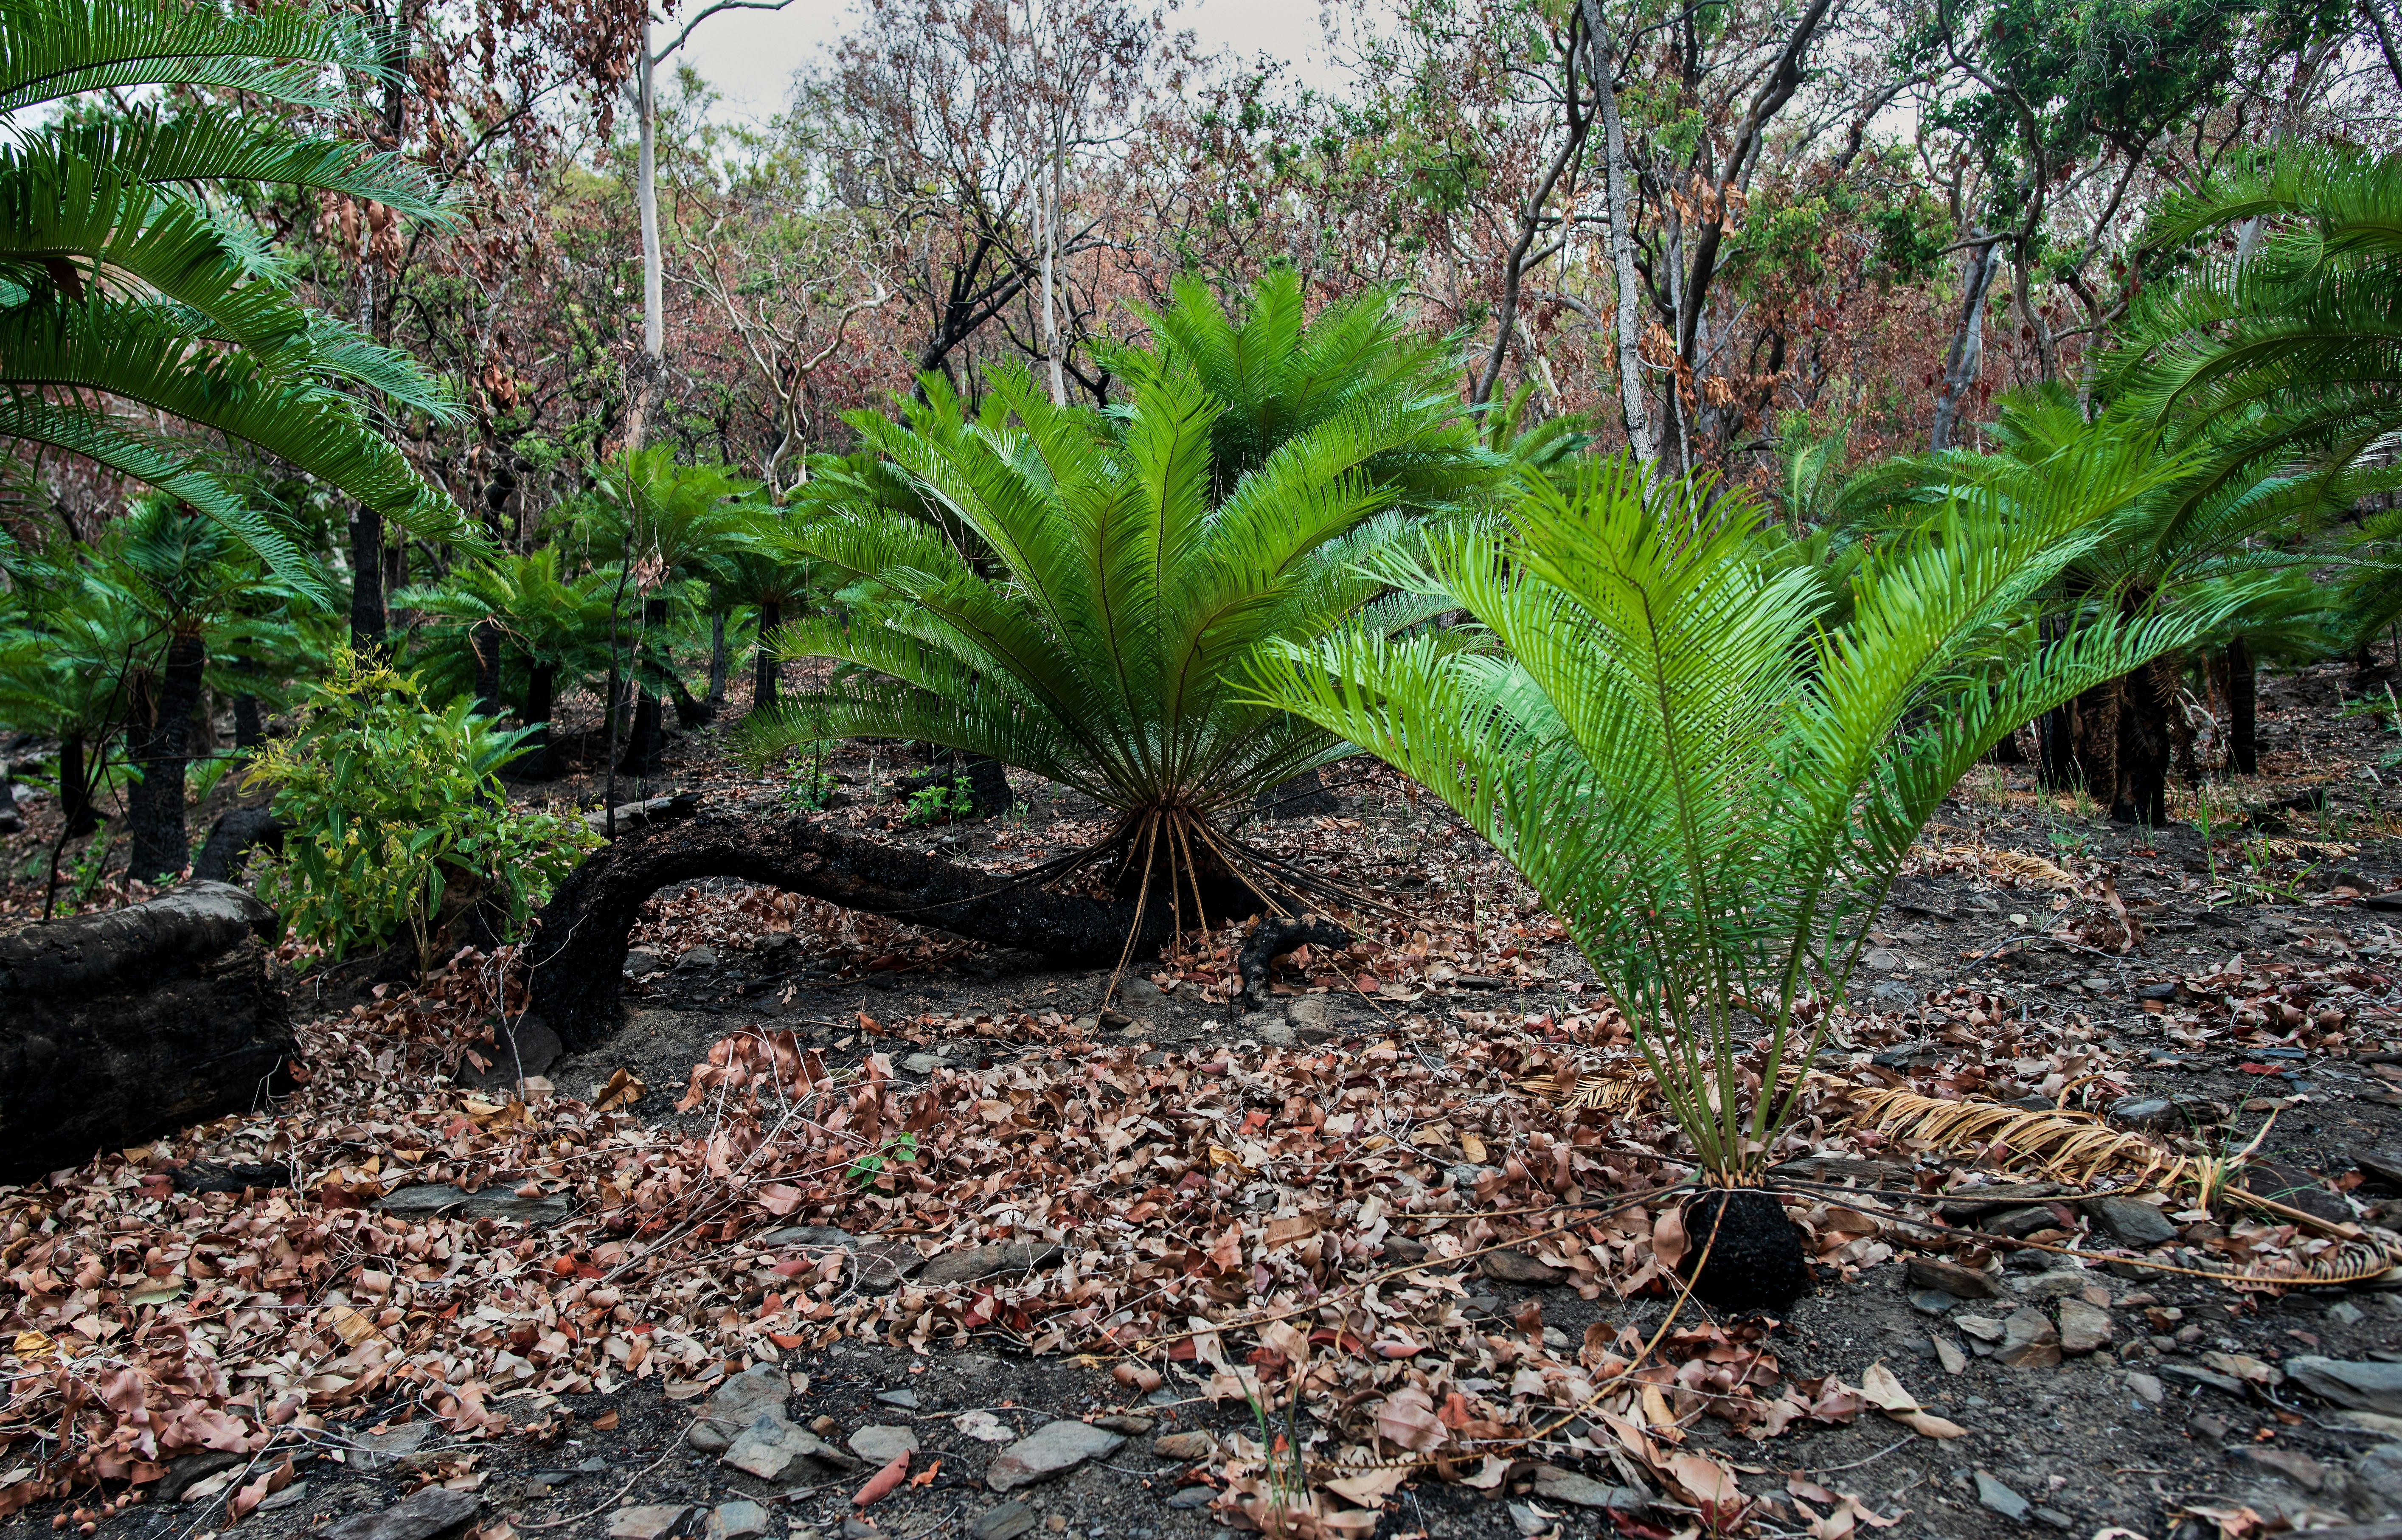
1710, 786
52, 48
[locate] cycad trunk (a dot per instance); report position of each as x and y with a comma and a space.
646, 743
719, 662
2243, 709
249, 729
538, 763
367, 579
763, 678
158, 742
485, 641
74, 789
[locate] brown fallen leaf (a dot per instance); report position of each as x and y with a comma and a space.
1885, 1393
883, 1481
623, 1091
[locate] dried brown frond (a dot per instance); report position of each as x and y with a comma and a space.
1575, 1094
2070, 1146
2017, 866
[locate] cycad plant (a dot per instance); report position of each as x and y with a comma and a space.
1712, 790
520, 605
1129, 566
121, 279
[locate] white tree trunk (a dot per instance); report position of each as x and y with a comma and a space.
1621, 241
650, 370
1050, 267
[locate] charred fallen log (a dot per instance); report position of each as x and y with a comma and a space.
578, 952
116, 1027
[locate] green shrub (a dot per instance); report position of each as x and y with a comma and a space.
941, 802
397, 822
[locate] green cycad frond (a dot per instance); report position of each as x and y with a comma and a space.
1708, 783
2345, 201
50, 49
1081, 592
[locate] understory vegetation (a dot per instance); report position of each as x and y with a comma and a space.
1747, 524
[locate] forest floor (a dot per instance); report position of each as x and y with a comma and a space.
889, 1190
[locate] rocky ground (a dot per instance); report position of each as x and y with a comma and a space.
2050, 1362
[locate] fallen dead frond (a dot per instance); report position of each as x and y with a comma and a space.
1575, 1093
2017, 866
2069, 1146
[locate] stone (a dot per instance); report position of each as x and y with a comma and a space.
1948, 1353
2017, 1223
811, 1237
1984, 1328
2148, 1386
2130, 1221
984, 1427
905, 1400
645, 1523
2361, 1386
1961, 1283
2282, 1182
880, 1266
2377, 1481
2225, 1384
1006, 1523
420, 1516
1133, 1427
737, 1404
2029, 1342
696, 958
924, 1063
1932, 1301
2293, 1464
1192, 1497
642, 963
1516, 1267
373, 1453
879, 1445
2001, 1499
773, 1449
1050, 1449
1530, 1521
2083, 1328
187, 1469
737, 1520
2058, 1283
1554, 1485
975, 1262
2149, 1114
1188, 1446
2380, 1165
1271, 1032
428, 1198
2344, 1312
295, 1494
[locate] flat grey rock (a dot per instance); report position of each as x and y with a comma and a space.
905, 1400
2029, 1342
2377, 1480
2002, 1500
295, 1493
1554, 1485
757, 1390
2148, 1386
924, 1063
695, 957
648, 1522
2350, 1382
736, 1520
1192, 1497
1050, 1449
2385, 1165
877, 1444
1267, 1030
642, 963
1931, 1272
421, 1516
2084, 1327
773, 1449
2056, 1285
966, 1266
1006, 1523
428, 1198
2132, 1222
819, 1237
373, 1453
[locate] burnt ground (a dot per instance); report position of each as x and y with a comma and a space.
2127, 1436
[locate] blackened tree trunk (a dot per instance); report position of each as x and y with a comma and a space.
2146, 743
2055, 736
763, 665
484, 639
249, 729
158, 742
647, 742
2006, 749
719, 661
2243, 709
368, 618
1303, 796
74, 789
538, 763
126, 1024
691, 710
578, 952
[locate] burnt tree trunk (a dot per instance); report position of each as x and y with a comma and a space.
74, 789
578, 951
647, 744
719, 662
368, 618
484, 639
1303, 795
538, 763
2243, 709
232, 837
159, 742
988, 788
249, 729
762, 664
2147, 744
120, 1026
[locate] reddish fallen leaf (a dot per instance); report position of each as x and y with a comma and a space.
925, 1476
786, 1340
883, 1481
605, 1423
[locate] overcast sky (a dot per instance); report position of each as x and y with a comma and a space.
751, 55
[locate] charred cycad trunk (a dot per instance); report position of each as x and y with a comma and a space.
159, 742
762, 664
1303, 795
368, 618
538, 763
484, 639
2243, 709
2148, 733
719, 661
1748, 1254
75, 776
646, 744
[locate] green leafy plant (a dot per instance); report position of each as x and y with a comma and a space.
1083, 600
1710, 789
941, 802
397, 824
900, 1150
811, 788
121, 276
